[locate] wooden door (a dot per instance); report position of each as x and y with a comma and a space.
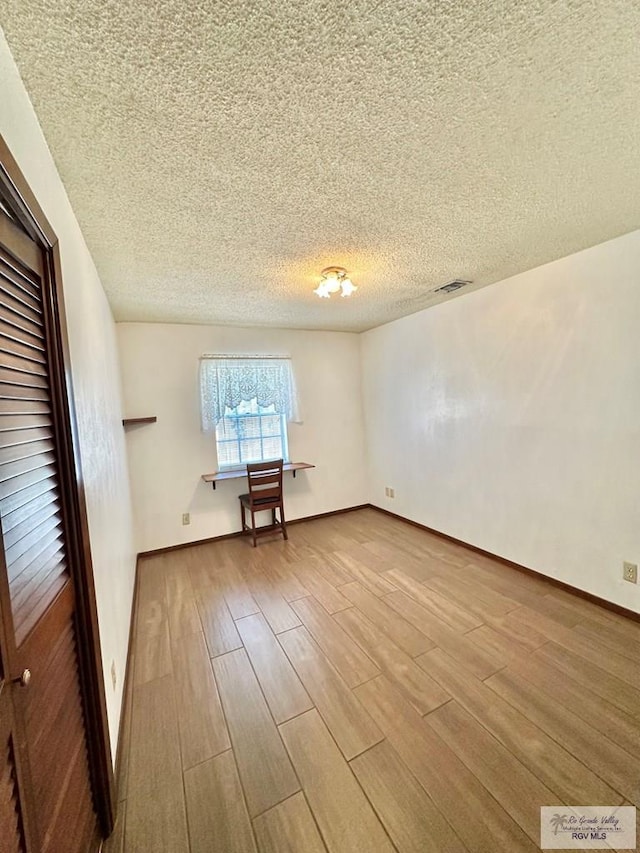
47, 760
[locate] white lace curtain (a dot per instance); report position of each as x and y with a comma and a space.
226, 381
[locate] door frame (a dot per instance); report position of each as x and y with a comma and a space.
17, 196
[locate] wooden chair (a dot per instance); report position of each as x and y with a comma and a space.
265, 492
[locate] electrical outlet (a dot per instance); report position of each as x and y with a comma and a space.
630, 572
113, 674
386, 491
392, 493
186, 518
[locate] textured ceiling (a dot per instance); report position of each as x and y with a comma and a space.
218, 155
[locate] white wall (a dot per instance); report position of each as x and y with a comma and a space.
166, 459
95, 374
510, 417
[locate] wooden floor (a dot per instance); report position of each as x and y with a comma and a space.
368, 687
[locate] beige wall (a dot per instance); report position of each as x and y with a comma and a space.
166, 459
510, 417
95, 375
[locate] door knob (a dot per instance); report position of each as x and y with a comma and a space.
24, 679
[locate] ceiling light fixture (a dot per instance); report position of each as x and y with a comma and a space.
334, 279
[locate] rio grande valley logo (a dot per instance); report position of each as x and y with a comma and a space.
588, 828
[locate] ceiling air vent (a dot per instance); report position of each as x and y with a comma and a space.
450, 286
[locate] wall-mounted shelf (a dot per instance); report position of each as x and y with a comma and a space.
240, 473
131, 421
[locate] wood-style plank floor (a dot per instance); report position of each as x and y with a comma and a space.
367, 686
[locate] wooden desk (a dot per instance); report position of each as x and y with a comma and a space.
240, 473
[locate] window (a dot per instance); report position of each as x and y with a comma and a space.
247, 401
251, 433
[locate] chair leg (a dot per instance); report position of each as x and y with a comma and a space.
253, 528
282, 522
242, 517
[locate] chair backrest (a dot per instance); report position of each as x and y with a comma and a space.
265, 480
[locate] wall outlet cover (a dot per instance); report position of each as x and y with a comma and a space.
186, 518
630, 572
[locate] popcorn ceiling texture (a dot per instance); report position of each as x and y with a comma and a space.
218, 155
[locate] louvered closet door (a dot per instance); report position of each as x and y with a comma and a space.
12, 830
37, 583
